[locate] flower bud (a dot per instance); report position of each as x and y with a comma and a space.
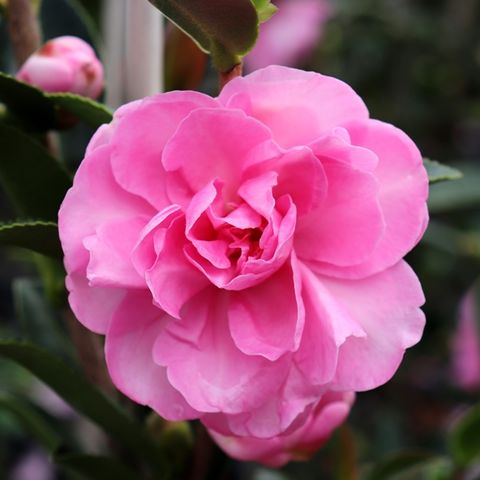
64, 64
297, 444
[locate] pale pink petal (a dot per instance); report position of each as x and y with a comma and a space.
386, 306
93, 306
204, 364
111, 254
297, 106
345, 229
403, 190
48, 73
129, 354
268, 320
140, 138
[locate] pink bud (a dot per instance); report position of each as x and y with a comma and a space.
298, 444
64, 64
466, 345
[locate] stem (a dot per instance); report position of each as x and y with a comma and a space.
225, 77
23, 29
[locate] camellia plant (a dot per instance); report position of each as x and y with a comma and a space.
233, 261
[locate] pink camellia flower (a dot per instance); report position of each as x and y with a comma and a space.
243, 254
299, 444
291, 34
466, 345
64, 64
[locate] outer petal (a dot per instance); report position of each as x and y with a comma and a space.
402, 196
268, 319
94, 199
386, 306
93, 306
140, 138
297, 106
129, 354
204, 364
347, 226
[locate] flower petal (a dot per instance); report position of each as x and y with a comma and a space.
140, 138
204, 364
268, 320
297, 106
128, 349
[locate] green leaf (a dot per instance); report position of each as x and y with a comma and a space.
227, 29
461, 194
265, 9
83, 397
92, 113
35, 182
397, 463
32, 421
464, 439
94, 467
27, 102
438, 172
39, 236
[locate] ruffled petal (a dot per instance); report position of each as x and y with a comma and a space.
268, 320
402, 195
297, 106
204, 364
129, 354
140, 137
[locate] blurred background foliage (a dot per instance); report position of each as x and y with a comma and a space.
416, 63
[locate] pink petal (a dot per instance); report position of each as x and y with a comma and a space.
140, 138
94, 199
128, 350
345, 229
386, 307
93, 306
172, 279
403, 190
214, 143
268, 320
297, 106
204, 364
327, 326
110, 254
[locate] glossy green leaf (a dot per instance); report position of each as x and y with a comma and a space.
83, 396
27, 102
38, 236
34, 180
227, 29
32, 422
464, 439
438, 172
94, 467
83, 108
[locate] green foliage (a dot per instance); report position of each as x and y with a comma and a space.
84, 397
227, 29
34, 181
437, 172
265, 9
464, 439
42, 111
38, 236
